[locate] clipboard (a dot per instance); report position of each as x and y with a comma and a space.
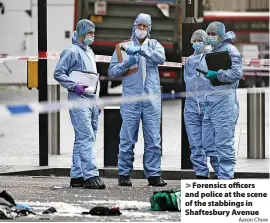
122, 55
216, 61
88, 78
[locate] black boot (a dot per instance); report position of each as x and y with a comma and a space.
124, 180
94, 183
156, 181
7, 197
201, 177
77, 182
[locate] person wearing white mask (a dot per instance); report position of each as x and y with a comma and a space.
147, 54
223, 108
200, 137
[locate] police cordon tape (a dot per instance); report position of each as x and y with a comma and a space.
106, 59
46, 107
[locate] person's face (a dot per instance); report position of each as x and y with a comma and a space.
91, 33
199, 48
88, 38
214, 34
142, 26
197, 41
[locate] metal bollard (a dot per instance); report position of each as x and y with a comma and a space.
189, 25
256, 125
112, 126
54, 121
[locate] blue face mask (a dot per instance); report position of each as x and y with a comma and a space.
88, 40
213, 40
198, 47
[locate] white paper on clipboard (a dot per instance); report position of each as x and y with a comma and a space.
125, 56
90, 79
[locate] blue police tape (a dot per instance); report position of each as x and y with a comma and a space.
173, 95
19, 109
46, 107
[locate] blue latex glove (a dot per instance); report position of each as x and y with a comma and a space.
80, 88
131, 50
133, 60
211, 74
23, 206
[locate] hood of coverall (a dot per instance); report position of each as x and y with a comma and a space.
75, 41
141, 18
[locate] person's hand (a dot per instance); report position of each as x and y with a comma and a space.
131, 50
211, 74
80, 88
133, 60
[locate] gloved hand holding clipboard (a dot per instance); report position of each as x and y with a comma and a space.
86, 78
217, 61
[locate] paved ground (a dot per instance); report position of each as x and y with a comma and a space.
38, 192
19, 137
